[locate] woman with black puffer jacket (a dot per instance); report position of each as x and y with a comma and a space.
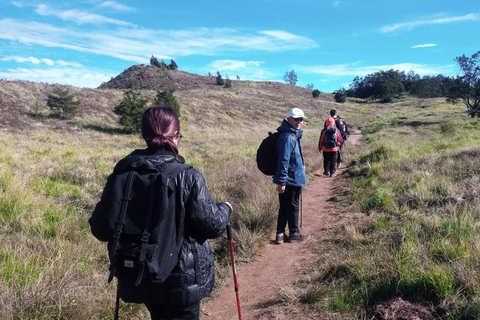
201, 219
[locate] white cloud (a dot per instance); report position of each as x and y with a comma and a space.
245, 70
116, 6
354, 70
80, 77
426, 45
132, 44
405, 26
78, 16
38, 61
18, 4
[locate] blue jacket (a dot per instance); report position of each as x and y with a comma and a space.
290, 167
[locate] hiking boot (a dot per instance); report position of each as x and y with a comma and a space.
279, 238
298, 237
325, 173
333, 175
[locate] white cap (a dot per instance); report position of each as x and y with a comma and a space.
296, 113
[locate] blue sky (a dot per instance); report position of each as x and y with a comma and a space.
327, 42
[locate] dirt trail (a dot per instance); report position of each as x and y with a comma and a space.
261, 281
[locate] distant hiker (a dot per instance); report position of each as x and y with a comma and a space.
329, 143
343, 128
195, 216
290, 176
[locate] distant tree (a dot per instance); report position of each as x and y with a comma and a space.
63, 103
340, 95
209, 74
316, 93
238, 78
130, 110
167, 98
154, 62
310, 86
467, 86
220, 80
173, 65
290, 77
228, 83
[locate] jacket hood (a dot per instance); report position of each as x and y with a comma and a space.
330, 122
147, 160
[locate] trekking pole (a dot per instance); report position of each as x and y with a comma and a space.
301, 209
234, 269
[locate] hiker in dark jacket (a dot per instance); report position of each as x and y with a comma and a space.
193, 277
290, 176
330, 152
343, 128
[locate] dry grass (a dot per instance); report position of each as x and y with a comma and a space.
52, 173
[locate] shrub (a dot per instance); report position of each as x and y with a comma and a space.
340, 95
167, 98
63, 103
130, 111
316, 93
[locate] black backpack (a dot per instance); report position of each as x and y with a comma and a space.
267, 154
330, 140
145, 236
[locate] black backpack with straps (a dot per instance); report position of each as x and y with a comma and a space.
267, 153
146, 233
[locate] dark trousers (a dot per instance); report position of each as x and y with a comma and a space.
339, 157
170, 312
288, 212
330, 162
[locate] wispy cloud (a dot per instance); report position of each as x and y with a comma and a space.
36, 61
134, 44
78, 16
79, 77
354, 70
116, 6
405, 26
18, 4
426, 45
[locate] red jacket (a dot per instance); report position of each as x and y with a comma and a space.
330, 122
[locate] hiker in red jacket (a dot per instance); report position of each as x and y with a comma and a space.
329, 143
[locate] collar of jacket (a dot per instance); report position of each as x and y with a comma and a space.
147, 159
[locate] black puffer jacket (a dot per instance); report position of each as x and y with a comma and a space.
193, 277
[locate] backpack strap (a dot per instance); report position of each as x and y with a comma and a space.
120, 223
145, 233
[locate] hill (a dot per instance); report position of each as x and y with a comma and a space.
203, 103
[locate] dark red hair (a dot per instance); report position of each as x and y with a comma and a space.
160, 125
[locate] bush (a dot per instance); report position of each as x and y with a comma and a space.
167, 98
62, 103
130, 111
220, 80
316, 93
340, 95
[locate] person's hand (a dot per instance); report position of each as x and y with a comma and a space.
280, 188
228, 204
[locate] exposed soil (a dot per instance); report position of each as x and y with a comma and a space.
260, 282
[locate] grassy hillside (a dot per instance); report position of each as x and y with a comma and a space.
409, 244
52, 173
410, 215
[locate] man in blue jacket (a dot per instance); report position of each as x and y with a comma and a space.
290, 176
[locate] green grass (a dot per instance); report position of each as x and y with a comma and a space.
416, 189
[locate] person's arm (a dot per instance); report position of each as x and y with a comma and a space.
205, 219
285, 145
99, 219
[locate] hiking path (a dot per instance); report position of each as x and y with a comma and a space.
261, 281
